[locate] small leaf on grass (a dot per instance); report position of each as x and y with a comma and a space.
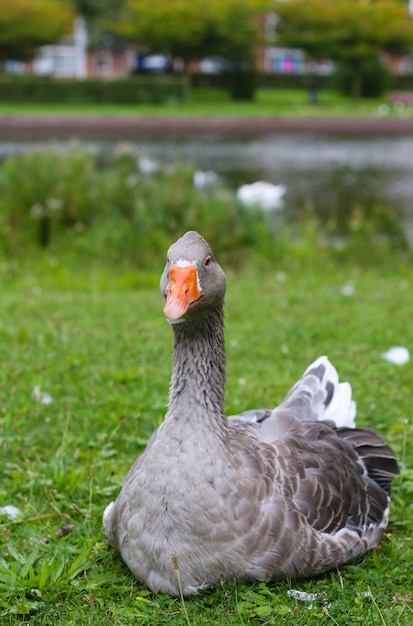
263, 610
80, 564
144, 600
57, 569
24, 607
376, 560
28, 564
44, 574
16, 554
282, 609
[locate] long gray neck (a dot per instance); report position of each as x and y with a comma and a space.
198, 377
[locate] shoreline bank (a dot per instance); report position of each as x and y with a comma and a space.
106, 127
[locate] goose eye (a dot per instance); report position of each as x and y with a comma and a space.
208, 260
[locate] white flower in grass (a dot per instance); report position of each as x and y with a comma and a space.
11, 511
303, 596
281, 276
79, 227
37, 211
383, 110
204, 179
149, 166
398, 355
132, 181
40, 396
54, 205
347, 289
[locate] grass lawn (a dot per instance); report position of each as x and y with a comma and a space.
215, 103
102, 349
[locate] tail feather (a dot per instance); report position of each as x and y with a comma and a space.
375, 455
319, 395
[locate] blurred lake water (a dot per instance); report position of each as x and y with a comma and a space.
329, 173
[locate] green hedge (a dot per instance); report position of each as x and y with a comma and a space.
136, 90
402, 83
152, 89
263, 81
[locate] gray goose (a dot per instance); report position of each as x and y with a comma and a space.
261, 496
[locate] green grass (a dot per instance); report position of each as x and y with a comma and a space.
100, 346
216, 103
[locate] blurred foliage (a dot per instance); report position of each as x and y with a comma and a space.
26, 24
351, 32
195, 29
126, 208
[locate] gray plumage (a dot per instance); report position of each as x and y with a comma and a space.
264, 495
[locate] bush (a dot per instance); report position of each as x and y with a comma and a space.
44, 193
375, 79
111, 211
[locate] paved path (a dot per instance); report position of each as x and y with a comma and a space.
64, 127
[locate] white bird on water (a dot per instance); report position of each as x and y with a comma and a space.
262, 194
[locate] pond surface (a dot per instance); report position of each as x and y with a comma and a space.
326, 172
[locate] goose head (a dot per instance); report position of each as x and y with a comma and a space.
192, 282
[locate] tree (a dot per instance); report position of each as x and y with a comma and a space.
27, 24
192, 29
351, 32
100, 15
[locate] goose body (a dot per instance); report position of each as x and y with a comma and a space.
264, 495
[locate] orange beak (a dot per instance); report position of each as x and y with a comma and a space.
183, 291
